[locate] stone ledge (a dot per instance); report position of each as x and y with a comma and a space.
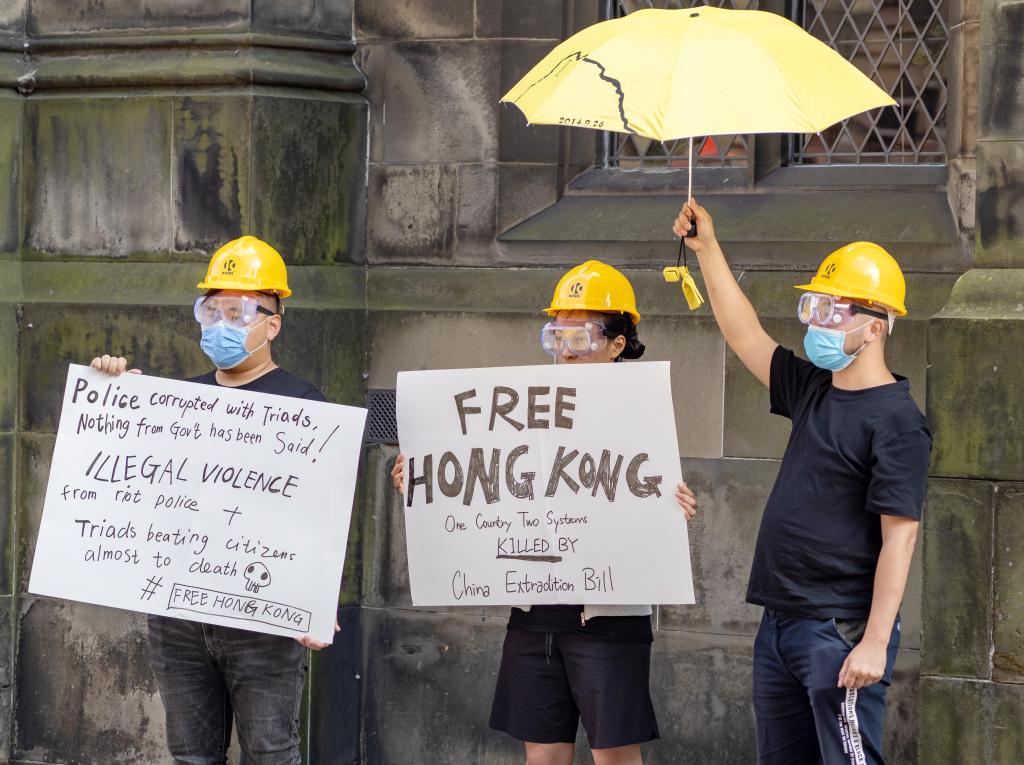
527, 290
164, 39
400, 289
338, 287
987, 294
775, 217
718, 180
133, 60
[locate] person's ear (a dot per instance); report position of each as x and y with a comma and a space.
618, 346
877, 330
273, 327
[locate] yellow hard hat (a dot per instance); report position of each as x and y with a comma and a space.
247, 264
594, 286
862, 271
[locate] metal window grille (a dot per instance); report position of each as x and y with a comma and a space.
381, 421
901, 44
635, 152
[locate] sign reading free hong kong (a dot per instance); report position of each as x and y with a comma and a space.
543, 484
200, 502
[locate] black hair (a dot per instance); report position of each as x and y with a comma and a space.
616, 324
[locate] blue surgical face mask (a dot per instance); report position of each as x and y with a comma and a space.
824, 347
225, 345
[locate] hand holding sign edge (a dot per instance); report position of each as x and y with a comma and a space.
112, 365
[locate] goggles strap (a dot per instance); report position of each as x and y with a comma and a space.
888, 317
870, 312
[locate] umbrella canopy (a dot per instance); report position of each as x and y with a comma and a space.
667, 74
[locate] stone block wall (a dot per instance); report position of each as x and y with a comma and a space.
425, 226
472, 217
973, 658
135, 138
972, 697
731, 448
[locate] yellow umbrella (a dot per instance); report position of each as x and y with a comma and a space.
670, 74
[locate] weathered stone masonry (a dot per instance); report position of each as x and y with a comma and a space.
424, 226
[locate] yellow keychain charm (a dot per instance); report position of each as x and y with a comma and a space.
682, 273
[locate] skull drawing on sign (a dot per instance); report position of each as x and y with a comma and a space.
256, 576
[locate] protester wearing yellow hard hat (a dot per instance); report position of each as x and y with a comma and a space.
838, 532
595, 660
860, 279
564, 664
212, 676
862, 271
247, 263
594, 286
241, 312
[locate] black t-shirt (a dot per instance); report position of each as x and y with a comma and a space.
276, 381
618, 629
852, 456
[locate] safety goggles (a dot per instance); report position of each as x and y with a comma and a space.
830, 311
579, 337
237, 310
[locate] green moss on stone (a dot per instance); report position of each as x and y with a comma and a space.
8, 366
965, 721
913, 217
950, 716
121, 283
10, 170
975, 409
8, 543
374, 500
308, 177
1008, 634
212, 195
160, 340
32, 468
956, 610
97, 176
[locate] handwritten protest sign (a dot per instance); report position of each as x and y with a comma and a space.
200, 502
543, 484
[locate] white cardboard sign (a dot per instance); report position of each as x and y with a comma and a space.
199, 502
543, 484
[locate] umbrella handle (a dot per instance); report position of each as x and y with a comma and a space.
689, 189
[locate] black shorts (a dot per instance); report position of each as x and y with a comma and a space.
549, 681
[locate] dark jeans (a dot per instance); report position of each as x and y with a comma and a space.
209, 674
802, 717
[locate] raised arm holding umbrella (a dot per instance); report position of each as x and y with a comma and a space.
838, 533
671, 74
